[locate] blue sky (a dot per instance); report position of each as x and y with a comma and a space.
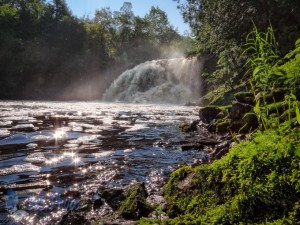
140, 8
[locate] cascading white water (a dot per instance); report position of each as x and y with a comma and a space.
175, 81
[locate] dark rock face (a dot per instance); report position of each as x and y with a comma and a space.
114, 197
189, 127
238, 110
72, 218
247, 124
276, 96
209, 114
245, 98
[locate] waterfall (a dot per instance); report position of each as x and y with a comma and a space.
175, 81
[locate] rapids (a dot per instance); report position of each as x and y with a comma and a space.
175, 81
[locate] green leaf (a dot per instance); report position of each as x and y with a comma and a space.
256, 71
277, 73
293, 96
256, 109
297, 152
297, 44
297, 113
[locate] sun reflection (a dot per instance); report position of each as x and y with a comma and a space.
70, 154
59, 134
76, 160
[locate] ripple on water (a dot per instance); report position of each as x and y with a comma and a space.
28, 167
103, 154
20, 138
35, 158
41, 137
32, 145
86, 140
4, 132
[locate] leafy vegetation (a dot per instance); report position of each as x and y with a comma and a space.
221, 27
255, 183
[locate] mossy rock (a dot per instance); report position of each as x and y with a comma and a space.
276, 95
245, 97
209, 114
135, 206
222, 125
114, 197
238, 110
189, 127
225, 99
257, 182
247, 124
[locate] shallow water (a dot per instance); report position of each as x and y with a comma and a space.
53, 151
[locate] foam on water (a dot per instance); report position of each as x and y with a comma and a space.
28, 167
158, 81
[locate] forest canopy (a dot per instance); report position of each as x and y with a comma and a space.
48, 53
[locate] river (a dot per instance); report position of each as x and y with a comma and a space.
48, 149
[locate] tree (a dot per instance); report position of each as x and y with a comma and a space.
161, 30
221, 27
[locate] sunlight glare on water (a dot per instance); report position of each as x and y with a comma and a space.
48, 147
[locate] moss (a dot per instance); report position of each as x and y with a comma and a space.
257, 182
147, 221
135, 205
223, 125
189, 127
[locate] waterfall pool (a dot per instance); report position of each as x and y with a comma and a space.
48, 149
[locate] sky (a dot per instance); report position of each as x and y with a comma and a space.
140, 8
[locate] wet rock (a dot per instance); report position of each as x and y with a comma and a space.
85, 205
186, 127
208, 141
192, 146
156, 200
73, 217
209, 114
238, 110
135, 205
114, 197
98, 203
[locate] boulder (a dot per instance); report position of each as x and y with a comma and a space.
186, 127
209, 114
114, 197
276, 95
238, 110
245, 125
135, 205
245, 97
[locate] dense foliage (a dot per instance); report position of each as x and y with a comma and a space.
256, 183
221, 27
46, 52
